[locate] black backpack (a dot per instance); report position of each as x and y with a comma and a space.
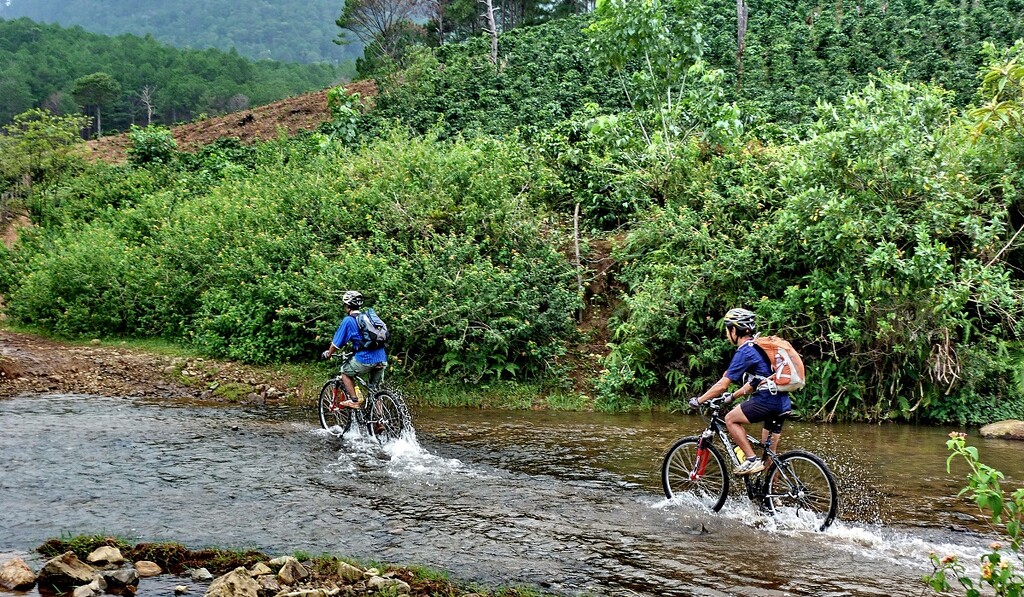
373, 330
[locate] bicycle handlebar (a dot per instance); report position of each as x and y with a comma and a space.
717, 403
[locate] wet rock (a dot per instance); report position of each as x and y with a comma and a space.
66, 571
260, 569
1008, 429
145, 568
201, 574
268, 585
121, 578
349, 572
93, 589
291, 572
181, 589
15, 575
236, 583
105, 554
308, 593
392, 585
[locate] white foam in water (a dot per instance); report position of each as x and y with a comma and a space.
405, 456
866, 540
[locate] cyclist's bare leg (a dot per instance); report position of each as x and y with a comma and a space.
775, 437
734, 422
350, 386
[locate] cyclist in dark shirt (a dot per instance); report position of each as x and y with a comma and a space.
763, 405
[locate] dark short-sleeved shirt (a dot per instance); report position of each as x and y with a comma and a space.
348, 331
748, 360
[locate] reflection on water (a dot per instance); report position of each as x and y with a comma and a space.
568, 502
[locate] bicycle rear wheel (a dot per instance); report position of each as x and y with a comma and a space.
700, 473
386, 416
800, 483
335, 419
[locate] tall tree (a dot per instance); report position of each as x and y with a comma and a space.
380, 25
95, 90
491, 29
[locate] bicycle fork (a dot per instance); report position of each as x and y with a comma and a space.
702, 455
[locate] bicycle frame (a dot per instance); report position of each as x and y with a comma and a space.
717, 429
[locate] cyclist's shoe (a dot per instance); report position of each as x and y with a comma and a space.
378, 428
349, 404
749, 467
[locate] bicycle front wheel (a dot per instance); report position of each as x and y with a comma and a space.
700, 473
334, 418
801, 484
386, 416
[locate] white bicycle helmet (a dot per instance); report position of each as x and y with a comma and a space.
741, 319
352, 299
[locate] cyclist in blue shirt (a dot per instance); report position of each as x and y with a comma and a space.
362, 362
763, 405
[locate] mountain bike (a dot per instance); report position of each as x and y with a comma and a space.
797, 481
382, 412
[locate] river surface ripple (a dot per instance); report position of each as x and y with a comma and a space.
566, 502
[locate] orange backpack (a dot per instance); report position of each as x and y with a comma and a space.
785, 362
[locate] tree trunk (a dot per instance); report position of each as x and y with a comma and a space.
492, 29
742, 10
99, 122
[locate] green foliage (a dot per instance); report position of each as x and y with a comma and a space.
37, 142
455, 89
150, 144
346, 112
447, 239
997, 570
876, 246
1003, 91
654, 49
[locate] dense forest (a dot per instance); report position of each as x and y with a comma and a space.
144, 81
871, 217
284, 30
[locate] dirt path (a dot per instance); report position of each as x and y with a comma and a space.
33, 365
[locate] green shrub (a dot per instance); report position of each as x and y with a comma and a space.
150, 144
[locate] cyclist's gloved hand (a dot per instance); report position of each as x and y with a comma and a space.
727, 398
694, 403
326, 354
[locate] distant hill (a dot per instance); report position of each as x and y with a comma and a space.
285, 30
40, 64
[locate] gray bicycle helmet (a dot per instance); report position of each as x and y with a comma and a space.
353, 299
741, 319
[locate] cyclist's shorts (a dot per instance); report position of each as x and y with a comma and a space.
756, 411
352, 368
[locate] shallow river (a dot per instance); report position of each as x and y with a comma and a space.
568, 503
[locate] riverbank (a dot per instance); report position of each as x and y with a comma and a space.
35, 364
238, 573
31, 364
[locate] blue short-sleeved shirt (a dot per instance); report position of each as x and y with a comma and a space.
748, 360
348, 331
